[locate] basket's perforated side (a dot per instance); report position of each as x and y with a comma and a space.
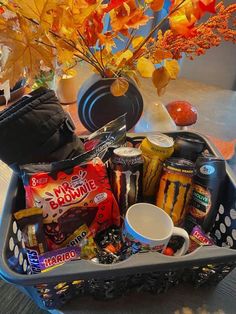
224, 230
16, 254
54, 296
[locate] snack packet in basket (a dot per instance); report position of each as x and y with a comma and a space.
70, 198
30, 222
99, 144
108, 137
199, 238
50, 260
82, 237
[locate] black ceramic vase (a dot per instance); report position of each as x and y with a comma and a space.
97, 106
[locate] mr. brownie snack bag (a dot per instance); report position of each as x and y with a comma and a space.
30, 222
72, 197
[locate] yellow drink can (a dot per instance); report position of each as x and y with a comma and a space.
155, 149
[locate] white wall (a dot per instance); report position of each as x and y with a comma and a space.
216, 67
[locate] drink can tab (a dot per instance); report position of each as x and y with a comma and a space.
161, 140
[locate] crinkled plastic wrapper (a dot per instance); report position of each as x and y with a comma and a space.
104, 140
70, 198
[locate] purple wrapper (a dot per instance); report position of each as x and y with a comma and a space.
57, 257
200, 237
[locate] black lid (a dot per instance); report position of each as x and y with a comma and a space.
179, 163
190, 138
206, 157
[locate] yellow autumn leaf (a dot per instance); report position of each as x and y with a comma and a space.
124, 56
127, 8
172, 67
119, 87
64, 55
137, 41
145, 67
160, 79
26, 54
77, 11
38, 10
69, 73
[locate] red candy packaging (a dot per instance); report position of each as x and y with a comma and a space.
70, 198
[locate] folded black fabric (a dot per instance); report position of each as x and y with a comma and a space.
37, 129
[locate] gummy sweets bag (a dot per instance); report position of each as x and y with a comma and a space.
70, 198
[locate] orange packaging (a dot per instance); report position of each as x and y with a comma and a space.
71, 198
175, 188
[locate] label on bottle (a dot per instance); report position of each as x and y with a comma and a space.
207, 169
201, 202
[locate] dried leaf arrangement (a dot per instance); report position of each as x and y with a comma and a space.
55, 35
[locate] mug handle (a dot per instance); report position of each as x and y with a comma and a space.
182, 233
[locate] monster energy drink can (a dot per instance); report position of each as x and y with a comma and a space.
126, 173
175, 188
156, 149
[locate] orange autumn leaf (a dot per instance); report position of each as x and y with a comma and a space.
163, 75
157, 5
92, 27
184, 19
114, 4
160, 55
72, 16
160, 79
26, 54
3, 24
119, 87
123, 18
107, 40
145, 67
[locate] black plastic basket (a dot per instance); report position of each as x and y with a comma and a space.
151, 272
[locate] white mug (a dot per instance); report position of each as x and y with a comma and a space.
149, 228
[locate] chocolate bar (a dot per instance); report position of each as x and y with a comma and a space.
30, 222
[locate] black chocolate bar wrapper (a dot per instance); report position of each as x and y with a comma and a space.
30, 222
